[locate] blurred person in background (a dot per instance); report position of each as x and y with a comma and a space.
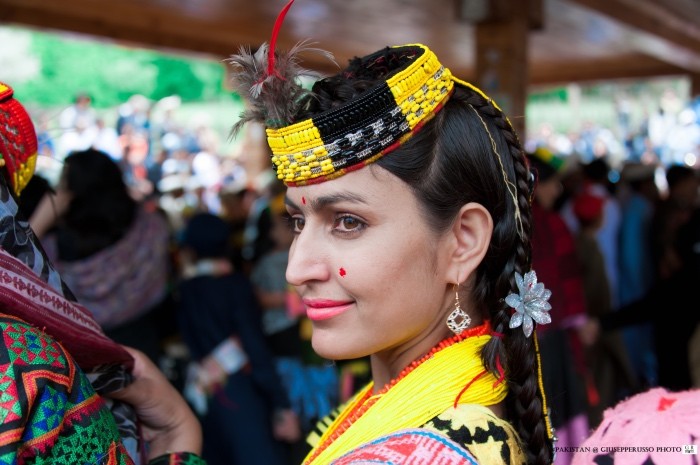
206, 170
689, 246
675, 289
607, 357
562, 343
672, 213
256, 237
235, 202
268, 277
232, 384
636, 259
107, 140
80, 136
135, 112
683, 139
111, 251
81, 109
312, 387
596, 181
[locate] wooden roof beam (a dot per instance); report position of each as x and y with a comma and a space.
622, 67
657, 31
142, 25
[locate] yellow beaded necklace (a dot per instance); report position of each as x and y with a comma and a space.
426, 389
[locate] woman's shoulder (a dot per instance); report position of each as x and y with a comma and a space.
488, 437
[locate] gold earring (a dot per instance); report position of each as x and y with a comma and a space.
458, 320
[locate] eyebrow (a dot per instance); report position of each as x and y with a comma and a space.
324, 201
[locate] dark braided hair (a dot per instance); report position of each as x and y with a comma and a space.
451, 162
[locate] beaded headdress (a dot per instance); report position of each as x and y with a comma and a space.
18, 143
351, 135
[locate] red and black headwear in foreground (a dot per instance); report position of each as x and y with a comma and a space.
42, 299
30, 288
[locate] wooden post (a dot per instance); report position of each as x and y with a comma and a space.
694, 85
502, 59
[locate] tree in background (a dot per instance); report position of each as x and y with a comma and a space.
50, 69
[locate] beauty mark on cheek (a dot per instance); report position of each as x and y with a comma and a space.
303, 200
342, 272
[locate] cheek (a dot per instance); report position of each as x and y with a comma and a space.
400, 272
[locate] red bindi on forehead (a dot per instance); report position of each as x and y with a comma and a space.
303, 200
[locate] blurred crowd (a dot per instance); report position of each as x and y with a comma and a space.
668, 135
158, 153
181, 251
616, 237
622, 260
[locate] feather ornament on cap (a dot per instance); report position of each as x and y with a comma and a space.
273, 92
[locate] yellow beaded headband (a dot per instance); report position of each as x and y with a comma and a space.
345, 138
357, 133
353, 135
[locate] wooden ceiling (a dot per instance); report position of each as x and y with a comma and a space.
578, 39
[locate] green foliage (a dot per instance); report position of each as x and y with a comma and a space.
109, 73
175, 76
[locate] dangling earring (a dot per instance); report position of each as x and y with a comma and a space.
459, 320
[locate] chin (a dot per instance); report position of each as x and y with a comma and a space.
332, 347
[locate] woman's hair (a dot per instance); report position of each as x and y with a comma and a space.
451, 161
101, 210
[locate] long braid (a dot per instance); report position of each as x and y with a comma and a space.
516, 351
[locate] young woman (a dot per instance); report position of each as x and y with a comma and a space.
409, 195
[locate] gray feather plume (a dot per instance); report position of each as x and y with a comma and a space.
273, 98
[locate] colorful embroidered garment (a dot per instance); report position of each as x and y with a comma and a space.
417, 447
50, 413
468, 434
445, 382
490, 439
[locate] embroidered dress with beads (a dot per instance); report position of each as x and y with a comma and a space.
446, 392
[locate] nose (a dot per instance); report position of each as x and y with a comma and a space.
308, 261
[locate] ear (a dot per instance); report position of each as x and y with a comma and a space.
471, 235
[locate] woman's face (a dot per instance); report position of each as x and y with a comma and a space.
371, 273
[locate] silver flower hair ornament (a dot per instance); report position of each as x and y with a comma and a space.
530, 303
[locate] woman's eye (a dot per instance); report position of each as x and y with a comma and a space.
296, 224
348, 224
